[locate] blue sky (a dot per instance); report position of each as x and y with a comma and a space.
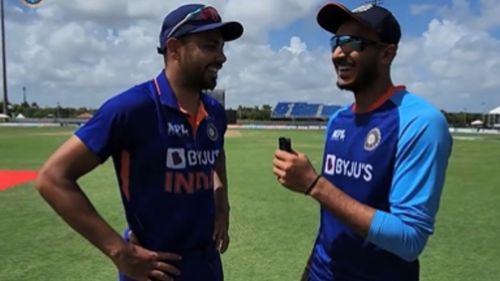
82, 52
412, 24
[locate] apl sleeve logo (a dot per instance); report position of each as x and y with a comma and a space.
31, 3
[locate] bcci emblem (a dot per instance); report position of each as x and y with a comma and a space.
212, 132
372, 139
31, 3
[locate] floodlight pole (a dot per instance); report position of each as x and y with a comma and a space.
4, 67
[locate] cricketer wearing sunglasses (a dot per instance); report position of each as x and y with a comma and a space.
166, 139
384, 163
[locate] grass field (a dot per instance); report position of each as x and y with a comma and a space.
272, 229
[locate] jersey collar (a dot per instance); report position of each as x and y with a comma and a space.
387, 95
166, 94
164, 91
168, 98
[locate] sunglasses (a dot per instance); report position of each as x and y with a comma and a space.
201, 14
349, 43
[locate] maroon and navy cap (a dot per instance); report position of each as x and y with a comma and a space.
195, 18
376, 18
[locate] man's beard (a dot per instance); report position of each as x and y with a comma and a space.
208, 83
364, 80
197, 78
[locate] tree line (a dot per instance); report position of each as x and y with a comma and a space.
34, 111
455, 119
260, 113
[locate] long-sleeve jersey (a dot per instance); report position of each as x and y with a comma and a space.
393, 159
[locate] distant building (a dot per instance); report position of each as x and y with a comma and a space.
219, 95
493, 119
4, 117
85, 115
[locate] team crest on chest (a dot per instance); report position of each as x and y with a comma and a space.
372, 139
212, 132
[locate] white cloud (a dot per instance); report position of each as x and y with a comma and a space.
82, 52
261, 16
489, 18
483, 15
259, 75
452, 65
296, 46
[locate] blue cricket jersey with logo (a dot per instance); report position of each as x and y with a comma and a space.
164, 167
393, 159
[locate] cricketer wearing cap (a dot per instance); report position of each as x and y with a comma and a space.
166, 139
384, 162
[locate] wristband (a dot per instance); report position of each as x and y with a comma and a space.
311, 186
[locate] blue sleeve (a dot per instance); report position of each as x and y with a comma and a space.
108, 131
423, 150
101, 133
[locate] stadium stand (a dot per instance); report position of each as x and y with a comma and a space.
302, 111
328, 110
282, 110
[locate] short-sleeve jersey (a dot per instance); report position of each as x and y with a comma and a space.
392, 159
164, 165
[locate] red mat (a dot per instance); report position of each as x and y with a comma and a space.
11, 178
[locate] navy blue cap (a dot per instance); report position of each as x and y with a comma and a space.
210, 21
376, 18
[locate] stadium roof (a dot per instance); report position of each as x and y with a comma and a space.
495, 111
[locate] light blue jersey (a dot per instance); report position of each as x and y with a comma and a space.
393, 159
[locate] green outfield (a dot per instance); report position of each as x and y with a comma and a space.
272, 230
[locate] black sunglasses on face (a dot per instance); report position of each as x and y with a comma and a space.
349, 43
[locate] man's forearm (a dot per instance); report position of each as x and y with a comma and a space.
67, 199
389, 232
356, 215
220, 183
220, 194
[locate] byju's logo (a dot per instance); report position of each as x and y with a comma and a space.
330, 164
176, 158
179, 158
337, 166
